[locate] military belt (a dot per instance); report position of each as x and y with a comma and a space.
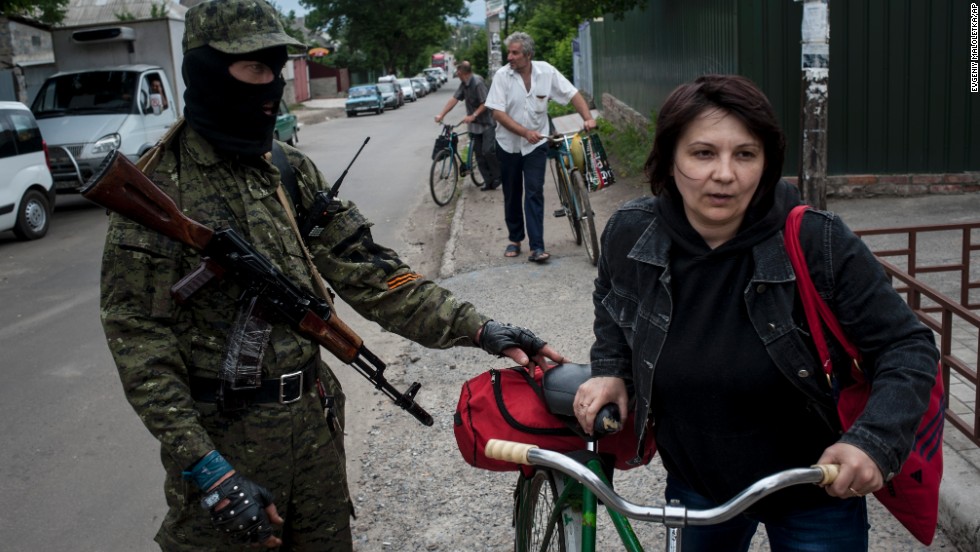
287, 388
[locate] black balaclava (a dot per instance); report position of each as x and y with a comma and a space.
226, 111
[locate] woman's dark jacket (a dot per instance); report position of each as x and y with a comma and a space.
633, 310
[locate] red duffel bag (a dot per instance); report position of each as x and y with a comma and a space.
509, 404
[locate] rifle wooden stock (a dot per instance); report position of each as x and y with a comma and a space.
118, 185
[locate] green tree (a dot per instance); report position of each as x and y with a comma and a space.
553, 32
51, 12
588, 9
553, 24
291, 26
475, 51
391, 34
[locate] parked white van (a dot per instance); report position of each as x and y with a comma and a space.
84, 115
26, 188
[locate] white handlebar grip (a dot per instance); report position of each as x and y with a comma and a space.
830, 472
508, 451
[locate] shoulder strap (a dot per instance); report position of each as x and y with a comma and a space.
288, 176
817, 311
148, 161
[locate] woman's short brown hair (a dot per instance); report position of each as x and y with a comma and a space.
731, 93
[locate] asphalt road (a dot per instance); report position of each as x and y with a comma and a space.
77, 468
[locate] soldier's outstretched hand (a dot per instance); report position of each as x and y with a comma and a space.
517, 343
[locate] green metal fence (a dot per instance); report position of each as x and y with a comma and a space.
899, 100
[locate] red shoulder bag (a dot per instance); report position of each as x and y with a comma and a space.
912, 496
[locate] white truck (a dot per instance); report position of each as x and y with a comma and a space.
85, 114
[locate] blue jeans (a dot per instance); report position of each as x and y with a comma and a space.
523, 182
839, 528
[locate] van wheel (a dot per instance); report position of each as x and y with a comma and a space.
33, 217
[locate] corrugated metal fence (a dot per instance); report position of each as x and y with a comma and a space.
900, 98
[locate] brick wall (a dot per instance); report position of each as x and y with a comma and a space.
853, 185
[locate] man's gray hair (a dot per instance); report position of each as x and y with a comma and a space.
525, 40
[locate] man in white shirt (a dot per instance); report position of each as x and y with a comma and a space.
519, 96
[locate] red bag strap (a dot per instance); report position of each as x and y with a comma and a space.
814, 306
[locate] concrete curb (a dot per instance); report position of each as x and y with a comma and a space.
959, 509
448, 267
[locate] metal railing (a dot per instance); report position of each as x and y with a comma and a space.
955, 322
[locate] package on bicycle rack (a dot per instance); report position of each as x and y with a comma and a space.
442, 142
509, 404
598, 172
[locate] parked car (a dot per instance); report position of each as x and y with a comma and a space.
392, 94
438, 73
408, 91
364, 99
421, 86
287, 126
83, 115
432, 79
27, 192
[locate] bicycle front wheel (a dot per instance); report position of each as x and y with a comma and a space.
475, 173
443, 177
539, 526
565, 198
586, 216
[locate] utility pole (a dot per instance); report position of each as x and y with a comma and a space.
815, 64
494, 9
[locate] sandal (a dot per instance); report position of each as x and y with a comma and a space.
512, 250
539, 256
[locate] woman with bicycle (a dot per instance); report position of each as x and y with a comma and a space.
696, 311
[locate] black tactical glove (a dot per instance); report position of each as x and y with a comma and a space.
496, 337
244, 519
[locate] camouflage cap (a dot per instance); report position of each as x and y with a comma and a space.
234, 27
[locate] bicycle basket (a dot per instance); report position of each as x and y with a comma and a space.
442, 142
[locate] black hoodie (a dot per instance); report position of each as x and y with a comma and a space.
725, 415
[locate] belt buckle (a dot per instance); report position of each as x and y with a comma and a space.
284, 380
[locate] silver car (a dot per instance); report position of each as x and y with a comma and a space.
407, 89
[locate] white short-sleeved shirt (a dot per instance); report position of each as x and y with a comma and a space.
529, 108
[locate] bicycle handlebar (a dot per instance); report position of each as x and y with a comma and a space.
669, 515
447, 129
561, 136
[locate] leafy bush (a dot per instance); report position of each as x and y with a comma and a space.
555, 109
628, 144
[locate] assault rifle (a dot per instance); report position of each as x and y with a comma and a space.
118, 185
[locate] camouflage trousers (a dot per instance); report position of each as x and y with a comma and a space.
293, 451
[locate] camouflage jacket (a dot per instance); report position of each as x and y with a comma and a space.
157, 343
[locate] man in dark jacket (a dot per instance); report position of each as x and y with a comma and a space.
473, 90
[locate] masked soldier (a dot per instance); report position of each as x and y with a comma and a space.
248, 416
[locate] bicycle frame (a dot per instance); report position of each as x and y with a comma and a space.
563, 154
588, 481
573, 195
573, 493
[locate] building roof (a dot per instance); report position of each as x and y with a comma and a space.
94, 12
